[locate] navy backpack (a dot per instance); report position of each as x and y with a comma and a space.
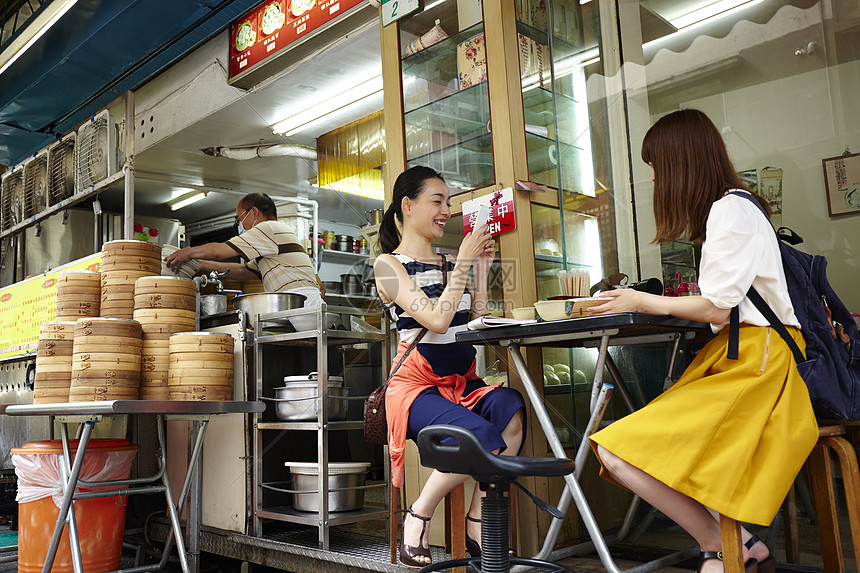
831, 368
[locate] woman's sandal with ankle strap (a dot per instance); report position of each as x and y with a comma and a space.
473, 547
767, 565
408, 553
750, 566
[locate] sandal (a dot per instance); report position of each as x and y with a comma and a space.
750, 566
408, 553
472, 546
767, 565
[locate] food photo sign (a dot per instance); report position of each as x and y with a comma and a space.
500, 212
275, 24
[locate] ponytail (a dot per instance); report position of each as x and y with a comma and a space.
389, 235
409, 184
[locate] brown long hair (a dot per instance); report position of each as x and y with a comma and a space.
692, 169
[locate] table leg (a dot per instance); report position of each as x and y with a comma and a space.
171, 507
74, 540
598, 370
68, 493
557, 449
194, 507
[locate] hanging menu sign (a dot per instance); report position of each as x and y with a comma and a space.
275, 24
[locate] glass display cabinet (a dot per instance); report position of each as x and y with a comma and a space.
445, 98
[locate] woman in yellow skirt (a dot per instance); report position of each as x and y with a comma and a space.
730, 436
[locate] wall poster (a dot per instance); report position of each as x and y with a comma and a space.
842, 183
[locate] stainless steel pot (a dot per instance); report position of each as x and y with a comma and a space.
345, 486
342, 243
266, 303
351, 284
297, 399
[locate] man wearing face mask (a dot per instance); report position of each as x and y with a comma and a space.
273, 252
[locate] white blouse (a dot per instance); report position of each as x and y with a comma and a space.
740, 250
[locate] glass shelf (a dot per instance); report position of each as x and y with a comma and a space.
461, 115
562, 46
432, 61
467, 164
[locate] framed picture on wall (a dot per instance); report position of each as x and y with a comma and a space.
842, 183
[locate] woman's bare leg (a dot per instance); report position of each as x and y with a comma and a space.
692, 516
513, 436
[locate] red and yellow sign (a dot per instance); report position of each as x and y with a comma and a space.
24, 306
275, 24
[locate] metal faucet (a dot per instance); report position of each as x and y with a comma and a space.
215, 278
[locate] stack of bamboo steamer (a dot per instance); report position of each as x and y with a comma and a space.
54, 362
123, 262
79, 294
252, 286
163, 306
231, 284
201, 366
105, 360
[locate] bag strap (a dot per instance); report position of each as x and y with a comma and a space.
423, 330
762, 306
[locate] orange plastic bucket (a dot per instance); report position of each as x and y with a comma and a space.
100, 521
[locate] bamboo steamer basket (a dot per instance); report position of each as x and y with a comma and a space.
106, 360
78, 295
117, 300
79, 278
165, 301
200, 366
54, 362
252, 286
131, 246
166, 285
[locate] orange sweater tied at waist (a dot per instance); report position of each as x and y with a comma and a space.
413, 377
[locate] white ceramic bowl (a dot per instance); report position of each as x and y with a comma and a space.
524, 313
566, 308
187, 271
309, 321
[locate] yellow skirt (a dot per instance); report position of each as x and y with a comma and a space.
731, 434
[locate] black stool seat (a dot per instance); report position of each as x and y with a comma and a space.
457, 450
469, 456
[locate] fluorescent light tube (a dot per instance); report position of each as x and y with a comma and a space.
187, 201
37, 35
334, 103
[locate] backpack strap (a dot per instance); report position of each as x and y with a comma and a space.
763, 308
775, 323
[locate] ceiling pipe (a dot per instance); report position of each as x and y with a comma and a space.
250, 152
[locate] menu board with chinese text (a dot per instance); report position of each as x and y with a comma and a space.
275, 24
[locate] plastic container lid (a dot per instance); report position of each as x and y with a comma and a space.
55, 447
334, 468
310, 380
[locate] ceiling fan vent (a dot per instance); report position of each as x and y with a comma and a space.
61, 169
35, 185
11, 198
97, 152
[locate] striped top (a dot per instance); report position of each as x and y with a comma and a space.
274, 253
440, 350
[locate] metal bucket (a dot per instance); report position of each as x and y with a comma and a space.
345, 486
213, 304
266, 303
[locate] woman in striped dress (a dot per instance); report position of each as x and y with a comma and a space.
436, 383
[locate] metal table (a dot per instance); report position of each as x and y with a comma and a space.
590, 331
88, 414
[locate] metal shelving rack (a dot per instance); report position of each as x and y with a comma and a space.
269, 330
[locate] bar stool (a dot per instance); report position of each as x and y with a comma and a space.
821, 482
494, 475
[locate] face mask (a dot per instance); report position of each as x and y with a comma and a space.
240, 228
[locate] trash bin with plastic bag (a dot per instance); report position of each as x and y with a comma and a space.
100, 521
